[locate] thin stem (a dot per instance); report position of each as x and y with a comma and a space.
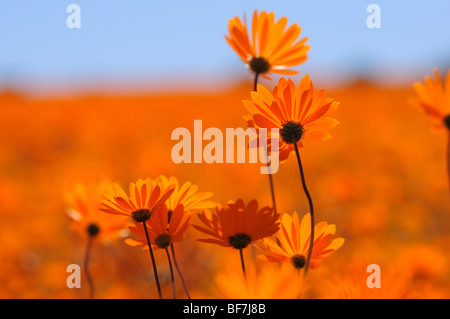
311, 209
255, 84
171, 274
272, 190
86, 269
242, 263
155, 271
179, 272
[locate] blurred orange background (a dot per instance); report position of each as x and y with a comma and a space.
381, 180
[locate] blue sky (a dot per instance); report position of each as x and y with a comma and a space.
142, 43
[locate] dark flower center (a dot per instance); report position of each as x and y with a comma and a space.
239, 241
291, 132
447, 121
298, 261
259, 65
163, 241
141, 215
93, 229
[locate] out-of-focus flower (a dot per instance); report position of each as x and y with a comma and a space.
422, 263
351, 283
145, 196
50, 144
186, 195
299, 113
271, 48
237, 225
433, 97
270, 281
83, 207
162, 233
294, 237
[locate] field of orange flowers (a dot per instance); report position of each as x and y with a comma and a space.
379, 187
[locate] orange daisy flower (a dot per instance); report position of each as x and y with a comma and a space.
294, 237
145, 196
186, 195
299, 113
162, 233
272, 48
434, 98
237, 225
83, 203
